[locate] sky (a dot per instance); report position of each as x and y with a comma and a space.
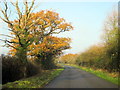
87, 18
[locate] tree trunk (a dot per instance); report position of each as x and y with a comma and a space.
22, 56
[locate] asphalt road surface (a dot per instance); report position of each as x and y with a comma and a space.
75, 78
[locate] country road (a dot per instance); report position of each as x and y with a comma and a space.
75, 78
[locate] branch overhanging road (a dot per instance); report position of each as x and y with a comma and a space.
72, 77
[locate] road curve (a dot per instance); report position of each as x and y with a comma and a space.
72, 77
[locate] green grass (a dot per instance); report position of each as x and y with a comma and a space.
37, 81
101, 74
0, 86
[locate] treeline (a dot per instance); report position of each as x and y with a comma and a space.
33, 46
105, 54
67, 59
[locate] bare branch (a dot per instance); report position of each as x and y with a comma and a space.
4, 12
18, 10
26, 7
6, 41
11, 46
5, 20
6, 6
31, 6
7, 35
11, 42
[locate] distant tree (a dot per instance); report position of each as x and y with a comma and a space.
93, 57
105, 55
111, 37
68, 58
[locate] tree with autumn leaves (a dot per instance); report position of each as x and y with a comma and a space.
32, 33
92, 57
68, 58
48, 50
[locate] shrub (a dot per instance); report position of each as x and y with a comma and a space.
33, 69
12, 69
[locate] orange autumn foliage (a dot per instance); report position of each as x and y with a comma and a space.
35, 32
50, 44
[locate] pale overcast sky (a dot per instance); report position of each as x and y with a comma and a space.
87, 19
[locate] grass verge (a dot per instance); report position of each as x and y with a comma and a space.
37, 81
100, 73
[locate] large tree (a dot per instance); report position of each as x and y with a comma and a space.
20, 28
30, 28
